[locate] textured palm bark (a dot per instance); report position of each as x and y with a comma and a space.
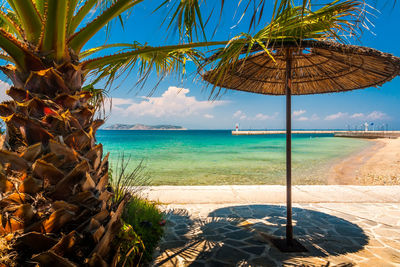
56, 207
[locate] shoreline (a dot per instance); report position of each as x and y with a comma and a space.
377, 164
342, 171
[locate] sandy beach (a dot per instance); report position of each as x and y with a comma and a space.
378, 164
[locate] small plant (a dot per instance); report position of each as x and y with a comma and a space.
132, 246
125, 182
147, 221
142, 220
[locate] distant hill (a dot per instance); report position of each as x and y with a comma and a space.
143, 127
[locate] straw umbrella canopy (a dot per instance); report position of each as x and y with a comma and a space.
317, 67
302, 68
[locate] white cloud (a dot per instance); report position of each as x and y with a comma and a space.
299, 112
119, 104
238, 114
258, 117
263, 117
336, 116
208, 116
3, 88
122, 101
314, 117
357, 115
377, 115
173, 102
297, 116
374, 115
302, 119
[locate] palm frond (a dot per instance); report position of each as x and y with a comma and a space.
82, 12
78, 40
186, 16
54, 35
18, 52
146, 59
72, 6
8, 23
29, 18
7, 58
256, 9
83, 9
120, 46
40, 6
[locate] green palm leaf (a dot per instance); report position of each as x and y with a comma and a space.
163, 60
54, 36
29, 18
78, 40
9, 25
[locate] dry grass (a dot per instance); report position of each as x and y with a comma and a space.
129, 182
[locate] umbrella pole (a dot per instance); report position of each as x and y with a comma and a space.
289, 244
288, 84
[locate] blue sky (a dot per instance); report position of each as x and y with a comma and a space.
186, 102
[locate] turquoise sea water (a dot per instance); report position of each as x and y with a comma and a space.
202, 157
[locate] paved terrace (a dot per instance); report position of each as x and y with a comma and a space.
232, 225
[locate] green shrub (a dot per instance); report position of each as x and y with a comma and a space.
147, 221
131, 247
142, 220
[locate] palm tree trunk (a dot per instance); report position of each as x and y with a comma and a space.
56, 206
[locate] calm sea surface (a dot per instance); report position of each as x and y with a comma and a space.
202, 157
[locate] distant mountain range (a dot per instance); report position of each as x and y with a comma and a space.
143, 127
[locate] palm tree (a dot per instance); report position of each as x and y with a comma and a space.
55, 194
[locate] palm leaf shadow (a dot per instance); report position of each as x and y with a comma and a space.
199, 239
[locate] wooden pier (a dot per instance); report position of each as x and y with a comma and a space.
353, 134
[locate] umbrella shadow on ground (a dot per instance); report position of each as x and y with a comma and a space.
240, 236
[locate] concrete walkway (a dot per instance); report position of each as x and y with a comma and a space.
233, 225
249, 194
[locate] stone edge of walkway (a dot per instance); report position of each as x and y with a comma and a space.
251, 194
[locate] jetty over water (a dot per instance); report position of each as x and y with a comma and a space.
369, 134
354, 134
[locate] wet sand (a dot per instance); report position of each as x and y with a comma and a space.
378, 164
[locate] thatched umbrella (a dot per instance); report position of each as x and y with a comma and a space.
301, 68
